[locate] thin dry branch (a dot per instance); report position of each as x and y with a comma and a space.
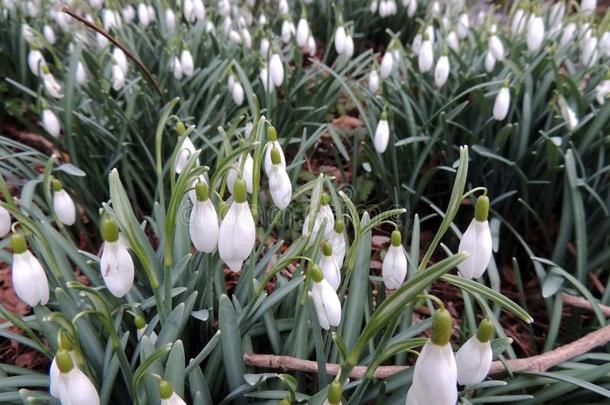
541, 362
583, 303
149, 76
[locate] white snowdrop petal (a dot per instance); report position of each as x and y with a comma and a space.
64, 207
435, 376
501, 104
331, 272
203, 226
280, 186
394, 267
441, 72
29, 279
5, 222
473, 361
477, 242
117, 268
236, 235
382, 136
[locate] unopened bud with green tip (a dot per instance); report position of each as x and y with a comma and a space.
486, 331
271, 134
396, 238
165, 389
201, 191
110, 230
335, 392
180, 128
64, 361
285, 401
442, 327
240, 191
18, 243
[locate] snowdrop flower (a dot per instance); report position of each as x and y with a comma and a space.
176, 68
382, 134
188, 9
518, 22
265, 45
102, 41
237, 231
463, 26
97, 4
54, 374
453, 41
490, 62
474, 357
224, 7
425, 58
568, 34
349, 47
246, 38
81, 74
50, 122
63, 205
373, 81
435, 374
199, 10
5, 222
152, 14
186, 150
36, 61
311, 46
272, 144
234, 36
604, 44
373, 7
248, 170
329, 267
588, 6
283, 7
141, 326
266, 79
276, 69
287, 33
49, 34
325, 299
170, 20
203, 223
324, 214
237, 92
411, 8
340, 38
601, 91
186, 61
111, 19
441, 72
502, 103
302, 33
74, 386
116, 264
168, 395
51, 85
394, 268
496, 48
29, 279
387, 63
477, 242
280, 186
567, 113
143, 15
589, 53
119, 58
128, 14
337, 241
535, 33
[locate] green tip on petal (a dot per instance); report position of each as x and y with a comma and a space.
384, 116
18, 243
64, 361
396, 238
442, 327
180, 128
140, 322
56, 184
339, 226
316, 273
110, 231
335, 392
239, 190
481, 210
45, 69
201, 190
506, 83
325, 199
327, 248
285, 401
63, 341
275, 156
165, 389
486, 331
271, 134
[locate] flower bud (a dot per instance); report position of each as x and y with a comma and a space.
382, 134
335, 393
502, 103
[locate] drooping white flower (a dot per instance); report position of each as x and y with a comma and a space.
81, 74
337, 241
463, 26
224, 7
496, 48
119, 59
602, 91
588, 6
97, 4
170, 20
54, 373
477, 242
186, 61
246, 38
473, 359
394, 268
382, 134
63, 205
416, 43
302, 33
435, 374
329, 267
276, 69
280, 186
141, 326
287, 33
116, 264
203, 223
567, 113
36, 62
387, 63
266, 79
535, 33
49, 34
568, 34
50, 122
425, 58
311, 46
518, 22
5, 222
188, 10
74, 386
51, 85
441, 72
453, 41
325, 214
373, 81
340, 37
265, 45
128, 14
186, 150
490, 62
349, 47
271, 144
411, 8
176, 68
199, 10
237, 232
168, 395
111, 19
246, 174
325, 299
143, 15
237, 93
502, 103
283, 7
589, 53
28, 277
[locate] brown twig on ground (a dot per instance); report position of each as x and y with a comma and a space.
583, 303
149, 76
541, 362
